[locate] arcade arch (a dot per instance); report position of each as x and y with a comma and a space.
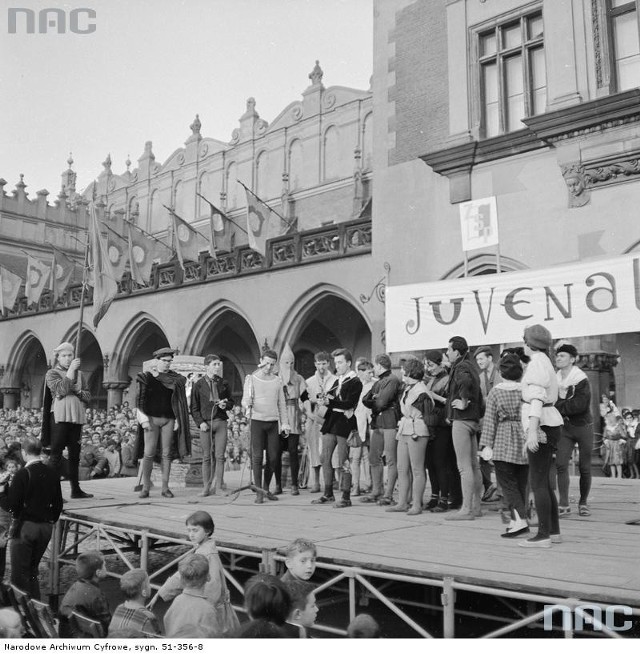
28, 368
92, 364
223, 330
325, 319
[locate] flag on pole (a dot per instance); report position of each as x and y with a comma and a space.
141, 251
9, 288
220, 227
37, 277
262, 222
116, 247
62, 268
189, 241
105, 285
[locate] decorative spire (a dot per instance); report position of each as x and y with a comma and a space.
70, 160
251, 108
107, 163
21, 183
196, 125
127, 163
316, 74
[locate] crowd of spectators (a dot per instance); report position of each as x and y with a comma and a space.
108, 439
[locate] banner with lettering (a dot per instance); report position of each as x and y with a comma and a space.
601, 296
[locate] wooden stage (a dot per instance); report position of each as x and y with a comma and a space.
597, 560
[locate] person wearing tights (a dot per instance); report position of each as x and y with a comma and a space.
441, 464
341, 401
412, 438
64, 413
293, 386
574, 404
264, 402
210, 401
163, 419
464, 410
383, 400
539, 396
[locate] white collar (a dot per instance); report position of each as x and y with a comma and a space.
346, 376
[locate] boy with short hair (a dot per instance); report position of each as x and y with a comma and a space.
132, 615
85, 595
301, 560
304, 609
192, 608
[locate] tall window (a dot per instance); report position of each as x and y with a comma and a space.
625, 50
513, 79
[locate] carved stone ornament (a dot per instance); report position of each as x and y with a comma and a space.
575, 179
204, 149
329, 100
316, 74
297, 112
181, 159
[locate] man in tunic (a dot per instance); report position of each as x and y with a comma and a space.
163, 418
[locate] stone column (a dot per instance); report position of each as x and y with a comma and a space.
10, 397
114, 391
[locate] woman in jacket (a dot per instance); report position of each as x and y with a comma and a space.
412, 438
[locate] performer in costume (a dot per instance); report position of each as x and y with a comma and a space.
163, 415
64, 405
293, 386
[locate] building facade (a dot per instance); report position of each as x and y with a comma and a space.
314, 289
533, 103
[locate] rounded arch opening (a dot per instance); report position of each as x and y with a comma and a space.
484, 264
327, 319
28, 367
92, 366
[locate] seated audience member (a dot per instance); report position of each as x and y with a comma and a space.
85, 595
93, 464
191, 609
129, 463
304, 609
363, 626
113, 458
268, 605
132, 614
10, 624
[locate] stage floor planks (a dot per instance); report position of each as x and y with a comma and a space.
598, 559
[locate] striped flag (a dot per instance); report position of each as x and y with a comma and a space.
37, 278
105, 285
9, 288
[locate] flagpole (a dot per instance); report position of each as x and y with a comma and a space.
282, 218
214, 208
113, 231
157, 240
82, 295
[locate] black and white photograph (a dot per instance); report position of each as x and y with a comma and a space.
319, 319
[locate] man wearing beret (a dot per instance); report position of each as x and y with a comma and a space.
163, 416
574, 404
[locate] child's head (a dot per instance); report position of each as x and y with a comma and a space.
89, 564
134, 584
11, 466
301, 558
194, 571
199, 527
304, 609
363, 626
10, 624
265, 597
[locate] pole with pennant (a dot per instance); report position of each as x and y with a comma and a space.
282, 218
216, 210
85, 267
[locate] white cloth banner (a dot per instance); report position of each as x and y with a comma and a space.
582, 299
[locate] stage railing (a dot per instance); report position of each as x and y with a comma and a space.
71, 532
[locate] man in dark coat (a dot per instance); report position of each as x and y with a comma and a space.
35, 500
210, 401
163, 415
341, 400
